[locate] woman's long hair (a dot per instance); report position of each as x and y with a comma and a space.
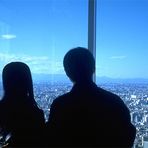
17, 82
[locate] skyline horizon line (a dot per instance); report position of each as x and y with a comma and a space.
102, 76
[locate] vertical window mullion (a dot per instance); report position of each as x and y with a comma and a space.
92, 28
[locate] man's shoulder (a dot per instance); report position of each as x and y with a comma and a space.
100, 94
109, 97
107, 94
61, 99
3, 105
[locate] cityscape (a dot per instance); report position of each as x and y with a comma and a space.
135, 96
39, 33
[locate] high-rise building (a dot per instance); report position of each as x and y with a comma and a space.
145, 142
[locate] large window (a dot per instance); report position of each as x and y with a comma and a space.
39, 33
122, 56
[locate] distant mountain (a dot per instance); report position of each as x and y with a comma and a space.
121, 80
63, 78
47, 78
50, 78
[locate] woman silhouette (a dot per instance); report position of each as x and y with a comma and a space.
19, 113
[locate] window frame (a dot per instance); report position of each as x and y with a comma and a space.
92, 9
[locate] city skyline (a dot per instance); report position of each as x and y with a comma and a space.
134, 96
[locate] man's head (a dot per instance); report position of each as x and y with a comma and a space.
79, 64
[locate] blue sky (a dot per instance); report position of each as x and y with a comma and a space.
122, 47
40, 32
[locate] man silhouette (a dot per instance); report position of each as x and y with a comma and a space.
88, 115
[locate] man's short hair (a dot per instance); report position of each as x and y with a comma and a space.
79, 64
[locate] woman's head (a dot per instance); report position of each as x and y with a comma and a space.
17, 79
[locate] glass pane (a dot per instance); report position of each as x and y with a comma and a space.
39, 33
122, 56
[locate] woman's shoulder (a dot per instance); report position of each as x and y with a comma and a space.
4, 110
37, 112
